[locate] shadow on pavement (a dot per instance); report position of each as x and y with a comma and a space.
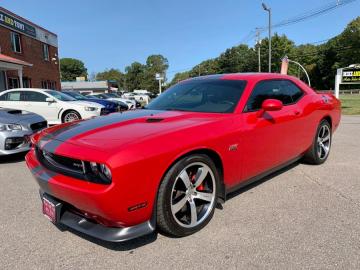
12, 158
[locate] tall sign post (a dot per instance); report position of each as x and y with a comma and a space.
159, 78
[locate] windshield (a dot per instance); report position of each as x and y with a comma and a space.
201, 95
60, 96
113, 95
76, 95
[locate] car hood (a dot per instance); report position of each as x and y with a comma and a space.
122, 100
84, 103
11, 116
117, 130
106, 103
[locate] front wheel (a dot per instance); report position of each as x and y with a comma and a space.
71, 116
320, 149
187, 196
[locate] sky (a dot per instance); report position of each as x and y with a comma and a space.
113, 34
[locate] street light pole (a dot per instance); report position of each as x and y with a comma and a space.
258, 42
269, 10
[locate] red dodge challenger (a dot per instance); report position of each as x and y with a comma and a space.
166, 166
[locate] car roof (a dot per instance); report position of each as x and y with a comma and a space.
28, 89
245, 76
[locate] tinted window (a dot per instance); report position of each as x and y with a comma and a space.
14, 96
292, 90
60, 96
75, 95
283, 90
3, 97
201, 95
35, 97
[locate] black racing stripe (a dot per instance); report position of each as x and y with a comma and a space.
63, 134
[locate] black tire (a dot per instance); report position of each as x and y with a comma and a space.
312, 156
165, 219
68, 113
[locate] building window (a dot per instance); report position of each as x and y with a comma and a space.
15, 42
13, 83
46, 52
44, 85
27, 82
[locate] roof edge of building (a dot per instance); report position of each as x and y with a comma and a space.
25, 20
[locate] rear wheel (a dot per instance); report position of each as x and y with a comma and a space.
71, 116
320, 149
187, 196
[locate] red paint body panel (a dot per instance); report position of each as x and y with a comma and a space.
139, 153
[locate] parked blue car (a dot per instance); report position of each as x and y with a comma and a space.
110, 106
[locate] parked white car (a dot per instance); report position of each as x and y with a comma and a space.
114, 97
54, 106
140, 97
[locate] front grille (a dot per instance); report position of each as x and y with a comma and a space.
38, 126
68, 166
14, 142
104, 111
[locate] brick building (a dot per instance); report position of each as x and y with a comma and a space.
28, 54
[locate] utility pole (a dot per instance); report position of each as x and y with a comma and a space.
269, 11
258, 43
199, 70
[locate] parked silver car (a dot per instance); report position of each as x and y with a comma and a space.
16, 127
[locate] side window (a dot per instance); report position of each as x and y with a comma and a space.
35, 97
292, 90
265, 90
283, 90
3, 97
14, 96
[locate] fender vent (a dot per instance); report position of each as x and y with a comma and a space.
154, 120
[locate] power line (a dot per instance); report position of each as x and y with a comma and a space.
296, 19
301, 17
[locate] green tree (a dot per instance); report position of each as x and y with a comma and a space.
179, 77
71, 68
280, 46
154, 64
134, 76
113, 75
348, 51
237, 59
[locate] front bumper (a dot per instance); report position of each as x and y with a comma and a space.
91, 228
92, 209
23, 146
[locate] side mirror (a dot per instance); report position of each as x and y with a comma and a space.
270, 105
50, 100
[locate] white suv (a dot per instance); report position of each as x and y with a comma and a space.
54, 106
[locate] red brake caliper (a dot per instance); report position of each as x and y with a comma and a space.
199, 188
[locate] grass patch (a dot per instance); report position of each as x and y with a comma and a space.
350, 104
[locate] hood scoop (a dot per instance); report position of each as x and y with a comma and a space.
154, 120
15, 112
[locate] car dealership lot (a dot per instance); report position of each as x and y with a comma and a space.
303, 217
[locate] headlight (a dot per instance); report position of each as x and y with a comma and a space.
90, 109
10, 127
101, 170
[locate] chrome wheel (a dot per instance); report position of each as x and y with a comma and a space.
323, 142
193, 195
71, 116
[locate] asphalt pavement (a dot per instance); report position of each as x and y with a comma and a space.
303, 217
